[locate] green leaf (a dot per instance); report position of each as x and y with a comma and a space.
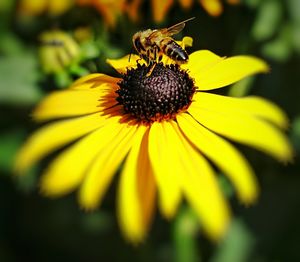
28, 182
294, 10
268, 19
89, 50
10, 44
295, 133
78, 70
241, 88
19, 78
10, 142
280, 48
237, 245
296, 37
6, 5
63, 79
252, 3
185, 231
97, 222
226, 186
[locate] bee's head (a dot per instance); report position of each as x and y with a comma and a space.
136, 40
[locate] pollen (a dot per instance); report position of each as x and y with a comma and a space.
155, 92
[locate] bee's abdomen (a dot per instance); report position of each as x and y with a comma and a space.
174, 51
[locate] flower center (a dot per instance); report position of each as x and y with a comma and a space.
155, 92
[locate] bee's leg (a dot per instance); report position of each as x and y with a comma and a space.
151, 69
155, 54
160, 58
156, 58
149, 57
145, 57
152, 63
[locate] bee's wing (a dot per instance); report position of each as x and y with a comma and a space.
175, 29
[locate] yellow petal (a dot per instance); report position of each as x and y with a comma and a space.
31, 8
225, 156
202, 190
125, 63
212, 7
53, 136
200, 61
245, 129
163, 158
187, 41
95, 81
136, 191
186, 4
62, 56
48, 60
146, 183
210, 71
57, 7
132, 9
108, 11
73, 103
160, 8
251, 106
66, 172
104, 166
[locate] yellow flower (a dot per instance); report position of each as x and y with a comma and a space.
215, 7
111, 10
38, 7
57, 51
163, 128
161, 7
131, 8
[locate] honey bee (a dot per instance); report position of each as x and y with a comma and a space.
152, 44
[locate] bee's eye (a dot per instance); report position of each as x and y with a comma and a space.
138, 44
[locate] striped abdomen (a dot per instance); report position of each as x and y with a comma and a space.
174, 51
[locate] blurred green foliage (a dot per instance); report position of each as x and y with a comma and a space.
33, 228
